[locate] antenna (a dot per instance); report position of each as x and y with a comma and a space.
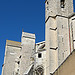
22, 30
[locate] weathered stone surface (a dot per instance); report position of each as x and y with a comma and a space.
12, 53
28, 58
28, 45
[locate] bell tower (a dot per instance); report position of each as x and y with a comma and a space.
58, 7
64, 7
58, 42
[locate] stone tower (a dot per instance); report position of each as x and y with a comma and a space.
58, 33
28, 44
11, 59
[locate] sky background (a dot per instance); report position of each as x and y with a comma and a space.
16, 15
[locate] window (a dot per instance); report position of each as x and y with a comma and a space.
62, 26
18, 62
39, 71
39, 55
62, 3
47, 3
62, 39
17, 69
20, 56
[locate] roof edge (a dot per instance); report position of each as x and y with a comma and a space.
13, 43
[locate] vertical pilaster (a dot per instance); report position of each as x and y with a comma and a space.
51, 45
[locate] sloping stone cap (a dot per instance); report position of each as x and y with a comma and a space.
28, 35
13, 43
73, 14
28, 69
40, 42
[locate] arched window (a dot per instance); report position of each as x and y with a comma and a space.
39, 70
62, 3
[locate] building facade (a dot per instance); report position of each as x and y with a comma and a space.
44, 58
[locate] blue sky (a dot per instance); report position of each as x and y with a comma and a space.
18, 14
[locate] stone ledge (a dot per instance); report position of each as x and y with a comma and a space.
13, 43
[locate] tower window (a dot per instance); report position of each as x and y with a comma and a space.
47, 3
62, 3
39, 55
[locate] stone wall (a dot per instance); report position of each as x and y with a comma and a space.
11, 59
67, 67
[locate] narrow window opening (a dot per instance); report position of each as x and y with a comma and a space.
62, 39
62, 26
63, 55
47, 3
17, 69
18, 62
62, 3
39, 55
20, 56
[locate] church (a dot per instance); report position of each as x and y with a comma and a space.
55, 55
